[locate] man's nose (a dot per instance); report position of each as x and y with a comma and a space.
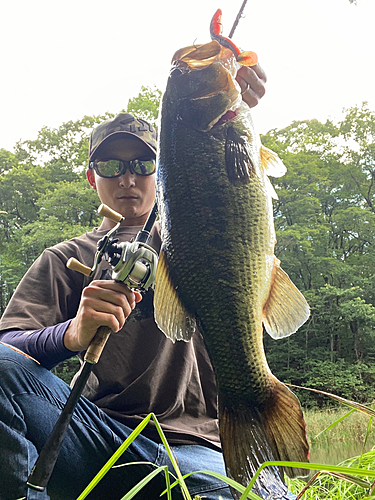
127, 179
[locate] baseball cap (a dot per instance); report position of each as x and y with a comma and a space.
122, 138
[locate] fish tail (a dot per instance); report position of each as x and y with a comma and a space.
252, 435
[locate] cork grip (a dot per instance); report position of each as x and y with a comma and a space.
96, 347
105, 211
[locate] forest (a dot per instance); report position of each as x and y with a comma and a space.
324, 218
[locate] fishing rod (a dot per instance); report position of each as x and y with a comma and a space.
133, 264
237, 20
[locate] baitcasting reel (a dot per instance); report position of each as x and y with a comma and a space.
133, 263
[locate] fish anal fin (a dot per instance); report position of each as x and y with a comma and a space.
286, 308
271, 162
171, 316
252, 435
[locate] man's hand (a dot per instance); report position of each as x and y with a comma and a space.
103, 303
252, 82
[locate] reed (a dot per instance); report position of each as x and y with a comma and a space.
351, 428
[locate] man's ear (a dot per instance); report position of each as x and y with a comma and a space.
91, 177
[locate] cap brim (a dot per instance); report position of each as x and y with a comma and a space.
122, 146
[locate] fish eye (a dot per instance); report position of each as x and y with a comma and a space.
175, 72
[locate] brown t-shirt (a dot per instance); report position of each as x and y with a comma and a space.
140, 370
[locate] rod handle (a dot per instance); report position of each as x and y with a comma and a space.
76, 265
96, 347
105, 211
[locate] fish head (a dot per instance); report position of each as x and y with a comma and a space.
202, 86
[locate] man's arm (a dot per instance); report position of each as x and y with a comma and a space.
46, 345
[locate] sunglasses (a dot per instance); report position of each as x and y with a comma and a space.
115, 168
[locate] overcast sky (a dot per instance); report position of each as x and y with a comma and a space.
61, 60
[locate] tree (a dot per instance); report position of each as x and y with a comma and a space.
325, 232
146, 104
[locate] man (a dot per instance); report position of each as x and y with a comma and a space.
54, 314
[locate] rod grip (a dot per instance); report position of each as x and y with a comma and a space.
96, 347
75, 265
105, 211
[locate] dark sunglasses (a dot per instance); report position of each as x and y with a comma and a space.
114, 168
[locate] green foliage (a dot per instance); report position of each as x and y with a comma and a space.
325, 225
66, 370
146, 104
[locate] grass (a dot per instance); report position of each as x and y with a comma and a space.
327, 484
351, 428
353, 479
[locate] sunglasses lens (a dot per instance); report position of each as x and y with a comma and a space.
144, 167
109, 168
115, 168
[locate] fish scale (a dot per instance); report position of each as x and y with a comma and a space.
208, 264
217, 268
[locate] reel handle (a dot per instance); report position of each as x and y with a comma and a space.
105, 211
76, 265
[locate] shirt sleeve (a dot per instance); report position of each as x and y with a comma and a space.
46, 345
47, 295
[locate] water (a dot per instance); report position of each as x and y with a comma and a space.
336, 453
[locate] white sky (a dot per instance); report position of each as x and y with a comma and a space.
61, 60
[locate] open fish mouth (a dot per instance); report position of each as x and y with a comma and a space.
202, 80
226, 117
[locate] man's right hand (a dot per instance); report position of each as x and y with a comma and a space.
103, 303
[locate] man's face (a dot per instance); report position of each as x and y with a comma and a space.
130, 194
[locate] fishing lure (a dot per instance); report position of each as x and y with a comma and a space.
246, 58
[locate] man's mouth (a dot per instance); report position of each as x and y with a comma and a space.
127, 197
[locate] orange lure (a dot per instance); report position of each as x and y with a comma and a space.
247, 58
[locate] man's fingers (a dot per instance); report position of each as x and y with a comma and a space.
252, 83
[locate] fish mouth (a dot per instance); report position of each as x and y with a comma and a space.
226, 117
204, 85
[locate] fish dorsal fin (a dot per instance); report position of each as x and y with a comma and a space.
171, 316
238, 159
272, 163
286, 308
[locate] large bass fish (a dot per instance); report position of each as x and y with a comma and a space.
217, 270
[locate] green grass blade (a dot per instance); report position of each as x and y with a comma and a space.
137, 488
335, 422
225, 479
184, 489
319, 467
103, 471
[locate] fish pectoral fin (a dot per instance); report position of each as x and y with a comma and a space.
272, 163
171, 315
238, 158
286, 308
